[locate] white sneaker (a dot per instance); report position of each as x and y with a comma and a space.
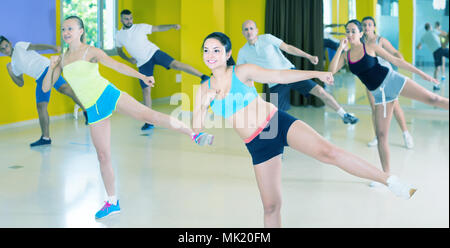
409, 142
372, 143
375, 184
400, 189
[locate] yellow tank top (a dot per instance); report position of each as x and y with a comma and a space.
85, 80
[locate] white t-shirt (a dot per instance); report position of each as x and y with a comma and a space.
136, 42
265, 53
431, 40
27, 62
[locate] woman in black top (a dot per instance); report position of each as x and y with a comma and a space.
384, 84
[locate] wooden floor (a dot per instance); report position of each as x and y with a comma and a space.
164, 180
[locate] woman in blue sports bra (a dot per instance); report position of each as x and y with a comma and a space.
384, 84
265, 130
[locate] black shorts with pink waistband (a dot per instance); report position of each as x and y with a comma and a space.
272, 139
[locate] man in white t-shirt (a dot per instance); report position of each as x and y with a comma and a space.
432, 41
25, 60
265, 51
145, 54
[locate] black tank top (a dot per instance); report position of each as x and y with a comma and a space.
368, 70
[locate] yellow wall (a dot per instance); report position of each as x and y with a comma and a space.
406, 29
366, 8
343, 14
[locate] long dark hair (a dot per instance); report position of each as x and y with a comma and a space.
358, 24
226, 42
81, 24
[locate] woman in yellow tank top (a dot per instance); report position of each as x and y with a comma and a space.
100, 98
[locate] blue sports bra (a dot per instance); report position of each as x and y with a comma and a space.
239, 97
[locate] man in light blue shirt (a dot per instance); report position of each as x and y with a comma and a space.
265, 51
432, 41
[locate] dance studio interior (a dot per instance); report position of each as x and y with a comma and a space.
346, 162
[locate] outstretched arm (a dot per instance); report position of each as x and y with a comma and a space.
400, 62
16, 79
297, 52
39, 47
124, 56
162, 28
250, 72
389, 48
104, 59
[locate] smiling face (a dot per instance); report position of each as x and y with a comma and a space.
368, 26
214, 54
353, 33
71, 31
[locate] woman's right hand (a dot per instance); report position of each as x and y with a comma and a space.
343, 44
54, 61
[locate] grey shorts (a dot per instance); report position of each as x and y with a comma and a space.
390, 89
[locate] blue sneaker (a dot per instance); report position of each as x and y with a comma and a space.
108, 209
348, 118
147, 126
436, 87
41, 142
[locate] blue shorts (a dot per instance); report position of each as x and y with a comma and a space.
41, 96
159, 58
272, 139
284, 90
104, 107
392, 85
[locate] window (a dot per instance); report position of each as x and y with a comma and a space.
99, 18
327, 12
351, 9
388, 7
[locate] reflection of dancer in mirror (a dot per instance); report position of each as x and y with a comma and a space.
25, 60
80, 66
432, 40
266, 51
370, 36
265, 129
329, 42
145, 54
384, 84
